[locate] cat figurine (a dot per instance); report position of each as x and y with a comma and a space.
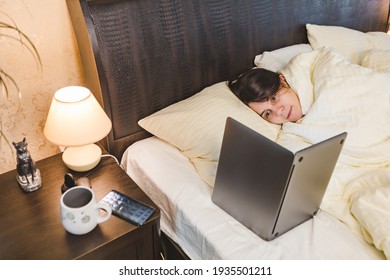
28, 177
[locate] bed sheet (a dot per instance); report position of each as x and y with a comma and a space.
204, 231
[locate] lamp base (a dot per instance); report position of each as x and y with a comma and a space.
82, 158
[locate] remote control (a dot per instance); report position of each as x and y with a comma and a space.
127, 208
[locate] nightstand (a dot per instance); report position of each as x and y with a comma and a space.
30, 223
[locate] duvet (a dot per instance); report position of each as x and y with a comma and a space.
338, 96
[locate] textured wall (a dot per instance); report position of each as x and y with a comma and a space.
48, 26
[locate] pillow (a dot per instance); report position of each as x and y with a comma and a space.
379, 40
349, 42
196, 125
377, 59
278, 59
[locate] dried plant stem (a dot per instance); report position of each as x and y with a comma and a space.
22, 38
7, 82
4, 90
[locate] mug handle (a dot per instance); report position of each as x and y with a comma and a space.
106, 208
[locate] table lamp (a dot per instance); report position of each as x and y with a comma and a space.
76, 121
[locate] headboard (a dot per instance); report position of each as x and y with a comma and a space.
143, 55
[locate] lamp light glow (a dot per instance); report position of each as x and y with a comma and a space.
76, 121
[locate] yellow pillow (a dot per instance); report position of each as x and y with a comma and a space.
350, 43
378, 60
196, 125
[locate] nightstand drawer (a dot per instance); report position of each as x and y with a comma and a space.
139, 245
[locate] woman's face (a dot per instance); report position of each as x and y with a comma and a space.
283, 106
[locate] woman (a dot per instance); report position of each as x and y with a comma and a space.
268, 94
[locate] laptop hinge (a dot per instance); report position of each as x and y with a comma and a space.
284, 195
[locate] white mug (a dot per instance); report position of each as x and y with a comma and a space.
80, 212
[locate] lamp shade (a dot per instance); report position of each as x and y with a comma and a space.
75, 118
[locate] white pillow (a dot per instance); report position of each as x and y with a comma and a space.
378, 60
379, 40
352, 44
196, 125
278, 59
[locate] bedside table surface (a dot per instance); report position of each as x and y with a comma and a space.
30, 223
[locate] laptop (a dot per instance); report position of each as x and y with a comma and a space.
268, 188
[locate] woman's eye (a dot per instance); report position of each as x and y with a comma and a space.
273, 98
267, 114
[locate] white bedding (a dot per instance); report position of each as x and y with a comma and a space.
339, 96
204, 231
336, 96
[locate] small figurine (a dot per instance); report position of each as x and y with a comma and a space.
29, 177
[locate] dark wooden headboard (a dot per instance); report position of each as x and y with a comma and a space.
143, 55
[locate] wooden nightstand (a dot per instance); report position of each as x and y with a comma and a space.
30, 223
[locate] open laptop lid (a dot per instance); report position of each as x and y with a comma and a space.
311, 172
252, 180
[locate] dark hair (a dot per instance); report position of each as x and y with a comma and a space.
255, 85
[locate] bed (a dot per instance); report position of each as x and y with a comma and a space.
160, 70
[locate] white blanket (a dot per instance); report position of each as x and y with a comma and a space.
338, 96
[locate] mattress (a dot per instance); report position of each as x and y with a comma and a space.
204, 231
